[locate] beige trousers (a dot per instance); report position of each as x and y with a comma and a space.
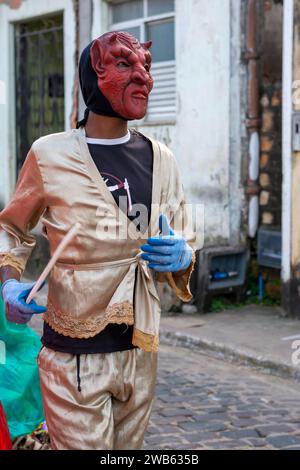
112, 409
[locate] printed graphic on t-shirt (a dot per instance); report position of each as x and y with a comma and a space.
127, 169
115, 184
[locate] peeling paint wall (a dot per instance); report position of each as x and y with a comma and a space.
271, 142
203, 81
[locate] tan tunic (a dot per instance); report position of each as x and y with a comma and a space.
93, 282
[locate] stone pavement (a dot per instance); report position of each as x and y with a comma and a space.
253, 335
204, 403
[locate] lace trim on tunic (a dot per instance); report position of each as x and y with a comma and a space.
7, 259
145, 341
68, 325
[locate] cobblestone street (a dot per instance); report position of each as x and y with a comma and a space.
203, 403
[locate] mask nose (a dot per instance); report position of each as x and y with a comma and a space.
139, 77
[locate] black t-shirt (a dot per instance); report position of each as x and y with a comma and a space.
126, 165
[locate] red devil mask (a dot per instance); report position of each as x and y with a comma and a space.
115, 76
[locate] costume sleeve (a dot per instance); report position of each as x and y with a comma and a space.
180, 216
21, 215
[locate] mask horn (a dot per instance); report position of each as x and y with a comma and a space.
147, 45
113, 38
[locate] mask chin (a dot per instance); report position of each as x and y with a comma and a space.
134, 112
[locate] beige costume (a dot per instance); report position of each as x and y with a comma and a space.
92, 284
113, 408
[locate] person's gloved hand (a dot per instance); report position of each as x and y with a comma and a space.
167, 252
14, 294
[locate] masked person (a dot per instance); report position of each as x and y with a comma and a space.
101, 325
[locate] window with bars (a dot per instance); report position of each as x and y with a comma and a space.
152, 19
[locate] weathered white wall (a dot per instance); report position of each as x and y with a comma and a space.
202, 126
29, 10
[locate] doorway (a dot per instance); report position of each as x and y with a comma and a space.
39, 88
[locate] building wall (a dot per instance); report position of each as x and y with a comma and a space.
271, 135
291, 161
271, 160
202, 137
295, 202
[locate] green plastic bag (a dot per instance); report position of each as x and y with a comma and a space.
20, 392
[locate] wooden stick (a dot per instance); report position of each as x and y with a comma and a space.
67, 238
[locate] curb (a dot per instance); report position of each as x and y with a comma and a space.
227, 354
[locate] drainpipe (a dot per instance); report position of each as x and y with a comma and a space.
75, 91
83, 10
253, 122
287, 154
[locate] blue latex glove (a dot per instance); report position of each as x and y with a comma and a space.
14, 294
167, 252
